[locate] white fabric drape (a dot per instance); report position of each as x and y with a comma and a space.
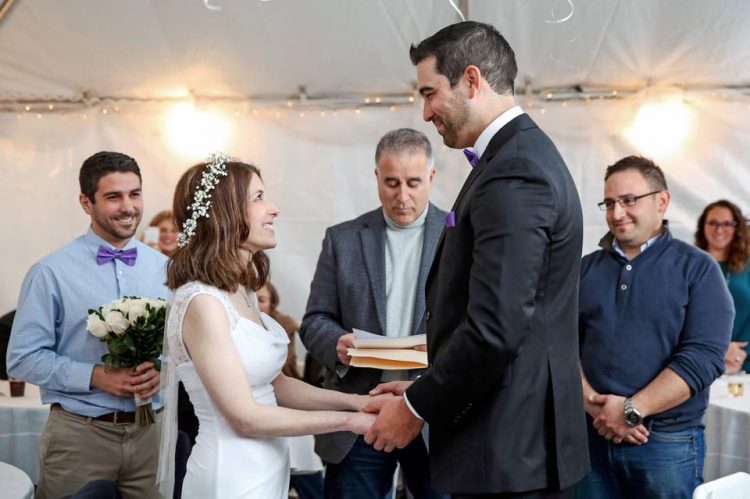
319, 171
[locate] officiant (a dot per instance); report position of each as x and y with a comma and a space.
91, 432
371, 275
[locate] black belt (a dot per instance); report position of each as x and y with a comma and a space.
117, 417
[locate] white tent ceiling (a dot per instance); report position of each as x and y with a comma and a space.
267, 49
86, 57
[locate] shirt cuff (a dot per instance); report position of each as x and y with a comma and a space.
79, 377
416, 414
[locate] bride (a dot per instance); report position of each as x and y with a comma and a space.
228, 354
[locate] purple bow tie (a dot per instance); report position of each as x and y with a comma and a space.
107, 254
472, 157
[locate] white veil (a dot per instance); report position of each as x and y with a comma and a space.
168, 444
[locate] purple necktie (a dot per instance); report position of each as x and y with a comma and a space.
471, 156
107, 254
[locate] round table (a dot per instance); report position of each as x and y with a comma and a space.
22, 420
14, 483
727, 422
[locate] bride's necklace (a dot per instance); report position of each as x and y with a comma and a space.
253, 307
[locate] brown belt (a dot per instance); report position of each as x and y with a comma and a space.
117, 417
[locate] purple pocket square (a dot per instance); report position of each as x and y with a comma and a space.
450, 219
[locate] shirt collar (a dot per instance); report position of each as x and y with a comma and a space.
418, 222
644, 246
484, 138
93, 241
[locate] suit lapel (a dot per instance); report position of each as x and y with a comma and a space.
432, 231
503, 135
372, 236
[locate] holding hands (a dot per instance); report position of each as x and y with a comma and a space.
142, 380
608, 412
395, 425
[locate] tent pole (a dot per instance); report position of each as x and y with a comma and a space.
5, 6
464, 7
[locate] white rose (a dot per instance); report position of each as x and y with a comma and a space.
157, 304
137, 309
116, 322
96, 326
122, 305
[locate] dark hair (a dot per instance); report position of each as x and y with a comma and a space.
647, 168
459, 45
103, 163
404, 140
739, 248
213, 255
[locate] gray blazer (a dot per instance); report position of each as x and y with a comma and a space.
348, 291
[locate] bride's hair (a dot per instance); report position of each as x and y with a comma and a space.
213, 254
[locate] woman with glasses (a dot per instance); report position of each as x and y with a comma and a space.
723, 232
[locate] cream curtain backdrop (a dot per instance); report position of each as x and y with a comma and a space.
319, 171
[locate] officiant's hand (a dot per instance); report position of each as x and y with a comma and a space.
394, 387
345, 342
395, 426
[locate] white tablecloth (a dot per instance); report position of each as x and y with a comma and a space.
22, 421
727, 423
302, 457
14, 483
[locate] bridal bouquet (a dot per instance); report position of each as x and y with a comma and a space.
133, 329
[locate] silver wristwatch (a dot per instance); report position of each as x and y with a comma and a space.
632, 416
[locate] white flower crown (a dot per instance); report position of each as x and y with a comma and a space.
216, 167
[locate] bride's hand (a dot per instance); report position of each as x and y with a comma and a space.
360, 401
360, 422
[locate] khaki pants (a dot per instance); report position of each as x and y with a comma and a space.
75, 450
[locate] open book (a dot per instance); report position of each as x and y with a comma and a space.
381, 352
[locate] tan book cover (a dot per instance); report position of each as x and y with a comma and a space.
381, 352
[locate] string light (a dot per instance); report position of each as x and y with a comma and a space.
326, 106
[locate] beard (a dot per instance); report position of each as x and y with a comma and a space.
112, 228
454, 122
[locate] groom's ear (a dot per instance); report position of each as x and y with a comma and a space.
85, 203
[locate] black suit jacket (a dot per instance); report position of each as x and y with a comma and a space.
348, 291
503, 392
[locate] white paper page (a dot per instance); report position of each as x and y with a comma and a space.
364, 339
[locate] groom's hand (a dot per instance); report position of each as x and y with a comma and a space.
394, 427
394, 387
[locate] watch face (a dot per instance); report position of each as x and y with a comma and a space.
632, 417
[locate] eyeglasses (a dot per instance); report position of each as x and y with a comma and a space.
624, 201
724, 225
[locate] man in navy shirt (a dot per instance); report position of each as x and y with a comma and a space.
655, 321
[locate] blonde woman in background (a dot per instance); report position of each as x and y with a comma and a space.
168, 232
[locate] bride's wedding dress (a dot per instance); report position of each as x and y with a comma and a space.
222, 463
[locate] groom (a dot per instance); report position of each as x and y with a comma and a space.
502, 394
